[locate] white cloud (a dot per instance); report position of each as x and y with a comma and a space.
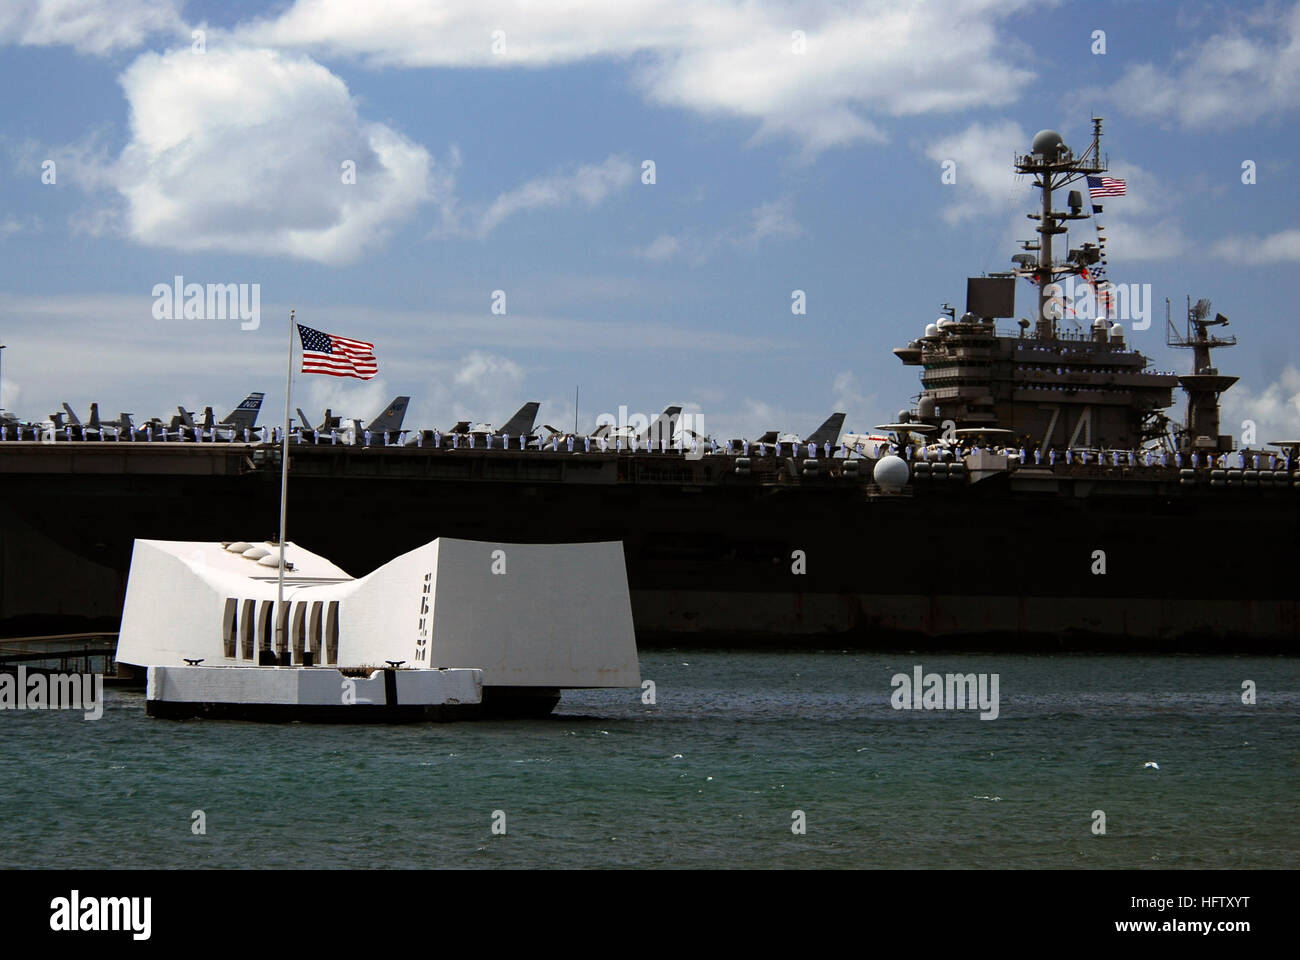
774, 219
859, 408
771, 220
89, 26
1280, 247
716, 57
242, 150
661, 248
1275, 410
478, 369
1249, 70
589, 184
345, 398
985, 178
1135, 225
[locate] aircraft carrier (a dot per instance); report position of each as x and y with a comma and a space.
1036, 496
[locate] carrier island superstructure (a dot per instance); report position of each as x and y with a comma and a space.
1036, 496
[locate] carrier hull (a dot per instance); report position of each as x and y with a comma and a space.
714, 558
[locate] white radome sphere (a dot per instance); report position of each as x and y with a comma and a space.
891, 471
931, 329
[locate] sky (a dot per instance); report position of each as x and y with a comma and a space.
517, 200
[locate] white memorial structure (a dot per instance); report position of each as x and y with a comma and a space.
454, 628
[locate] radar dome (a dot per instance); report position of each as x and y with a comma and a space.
931, 329
891, 471
904, 416
1117, 329
925, 407
1047, 142
968, 317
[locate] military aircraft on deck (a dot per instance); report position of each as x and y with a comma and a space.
520, 424
828, 432
351, 430
93, 428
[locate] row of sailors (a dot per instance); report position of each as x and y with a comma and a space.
1117, 458
1150, 458
1061, 371
274, 435
1094, 346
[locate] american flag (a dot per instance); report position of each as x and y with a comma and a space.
336, 356
1105, 187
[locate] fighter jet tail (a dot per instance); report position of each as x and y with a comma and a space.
244, 416
392, 417
521, 424
828, 432
73, 419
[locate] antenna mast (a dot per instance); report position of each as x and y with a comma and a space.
1053, 165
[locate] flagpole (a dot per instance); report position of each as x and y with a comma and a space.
284, 492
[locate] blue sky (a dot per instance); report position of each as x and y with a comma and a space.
520, 169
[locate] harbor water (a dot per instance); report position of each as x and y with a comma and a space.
735, 754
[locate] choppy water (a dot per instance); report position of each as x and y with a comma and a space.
706, 777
